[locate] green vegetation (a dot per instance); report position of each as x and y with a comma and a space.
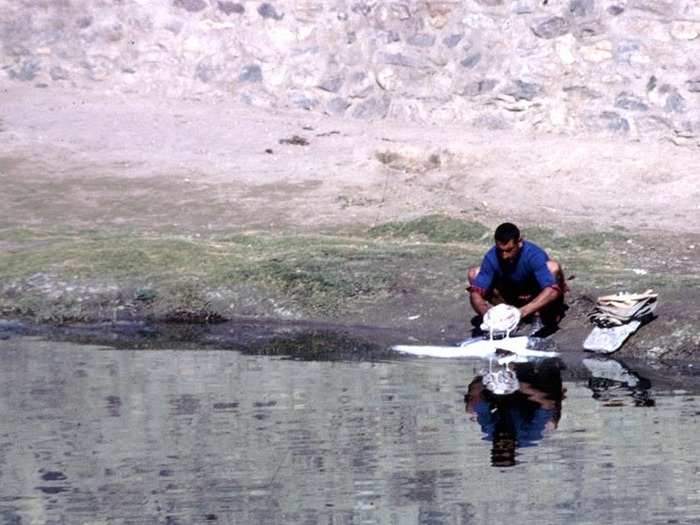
433, 228
88, 274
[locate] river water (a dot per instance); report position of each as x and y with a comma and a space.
95, 435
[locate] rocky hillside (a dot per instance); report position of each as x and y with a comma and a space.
621, 67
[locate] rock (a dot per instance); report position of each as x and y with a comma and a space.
651, 83
582, 7
58, 73
625, 100
192, 6
551, 27
521, 90
400, 59
675, 103
25, 71
332, 85
614, 122
452, 40
589, 29
693, 85
205, 71
685, 30
251, 73
626, 49
268, 11
616, 10
657, 7
372, 109
490, 121
599, 52
387, 79
303, 102
471, 60
477, 88
83, 22
337, 106
582, 91
422, 40
490, 3
231, 8
565, 47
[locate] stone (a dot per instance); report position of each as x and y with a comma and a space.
582, 91
337, 106
205, 71
477, 88
675, 103
599, 52
332, 85
551, 27
452, 40
693, 85
616, 10
490, 3
582, 7
657, 7
471, 60
589, 29
614, 122
251, 73
421, 40
193, 6
58, 73
303, 102
521, 90
25, 71
651, 83
268, 11
625, 100
83, 22
230, 8
685, 30
388, 79
372, 109
565, 47
400, 59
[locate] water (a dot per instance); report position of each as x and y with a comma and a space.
91, 435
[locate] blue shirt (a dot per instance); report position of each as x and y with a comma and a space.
529, 268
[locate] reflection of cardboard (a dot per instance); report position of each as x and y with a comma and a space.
611, 370
607, 340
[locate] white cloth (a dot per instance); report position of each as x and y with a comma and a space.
502, 318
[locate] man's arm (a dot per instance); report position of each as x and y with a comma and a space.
547, 296
478, 302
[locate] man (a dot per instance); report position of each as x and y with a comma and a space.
519, 273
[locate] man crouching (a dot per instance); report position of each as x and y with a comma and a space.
519, 273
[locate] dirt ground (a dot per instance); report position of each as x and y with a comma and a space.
217, 165
113, 162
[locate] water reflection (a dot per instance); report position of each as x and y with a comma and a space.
520, 418
615, 384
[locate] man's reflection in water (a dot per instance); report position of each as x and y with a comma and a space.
521, 418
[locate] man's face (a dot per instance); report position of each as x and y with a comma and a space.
509, 251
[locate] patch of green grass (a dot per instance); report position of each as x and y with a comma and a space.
433, 228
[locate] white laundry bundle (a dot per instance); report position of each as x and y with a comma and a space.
501, 319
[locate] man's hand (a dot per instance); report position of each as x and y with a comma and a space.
478, 303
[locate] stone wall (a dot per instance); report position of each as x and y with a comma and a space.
624, 67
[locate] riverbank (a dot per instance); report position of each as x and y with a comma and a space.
140, 211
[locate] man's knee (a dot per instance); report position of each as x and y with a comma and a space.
555, 268
472, 273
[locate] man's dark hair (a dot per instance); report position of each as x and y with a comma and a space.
507, 232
